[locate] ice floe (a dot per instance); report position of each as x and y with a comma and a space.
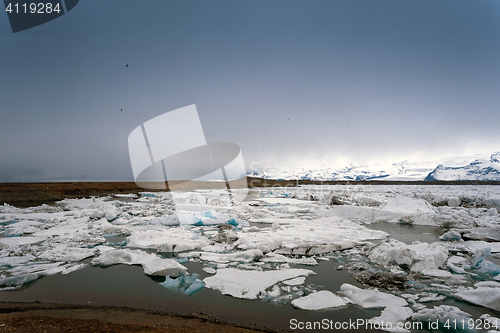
249, 284
367, 298
256, 249
320, 300
152, 264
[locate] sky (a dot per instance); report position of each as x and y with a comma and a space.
291, 82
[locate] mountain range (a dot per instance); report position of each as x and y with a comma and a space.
474, 167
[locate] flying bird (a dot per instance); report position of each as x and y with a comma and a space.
121, 109
126, 65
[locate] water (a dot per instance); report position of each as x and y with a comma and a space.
122, 285
409, 233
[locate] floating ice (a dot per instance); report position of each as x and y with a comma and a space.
420, 257
209, 270
295, 282
367, 298
443, 314
275, 257
186, 284
167, 240
241, 256
451, 235
151, 264
248, 284
391, 316
484, 296
309, 237
14, 282
65, 252
318, 301
18, 241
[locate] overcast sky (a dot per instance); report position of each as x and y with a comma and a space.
291, 82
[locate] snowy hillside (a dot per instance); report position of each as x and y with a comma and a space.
475, 167
480, 169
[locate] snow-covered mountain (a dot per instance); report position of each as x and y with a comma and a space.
480, 169
475, 167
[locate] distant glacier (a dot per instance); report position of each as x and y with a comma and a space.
480, 167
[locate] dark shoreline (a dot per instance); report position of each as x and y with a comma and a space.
35, 194
53, 317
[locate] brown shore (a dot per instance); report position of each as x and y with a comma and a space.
33, 194
48, 317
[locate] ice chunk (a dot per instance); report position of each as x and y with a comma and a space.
248, 284
151, 264
489, 234
487, 267
451, 235
443, 314
422, 257
14, 282
167, 240
367, 298
295, 282
66, 253
194, 287
18, 241
431, 298
492, 284
454, 202
187, 284
317, 301
309, 237
391, 316
209, 270
241, 256
275, 257
111, 214
484, 296
479, 263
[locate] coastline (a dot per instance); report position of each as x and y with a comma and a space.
52, 317
35, 194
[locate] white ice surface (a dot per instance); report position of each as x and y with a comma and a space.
391, 316
320, 300
248, 284
309, 237
151, 264
368, 298
484, 296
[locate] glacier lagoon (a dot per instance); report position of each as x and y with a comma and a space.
253, 261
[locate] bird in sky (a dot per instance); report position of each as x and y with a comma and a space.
121, 109
126, 65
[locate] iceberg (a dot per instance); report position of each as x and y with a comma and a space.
483, 296
186, 284
318, 301
391, 316
249, 284
167, 240
309, 237
444, 315
151, 264
14, 282
370, 298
